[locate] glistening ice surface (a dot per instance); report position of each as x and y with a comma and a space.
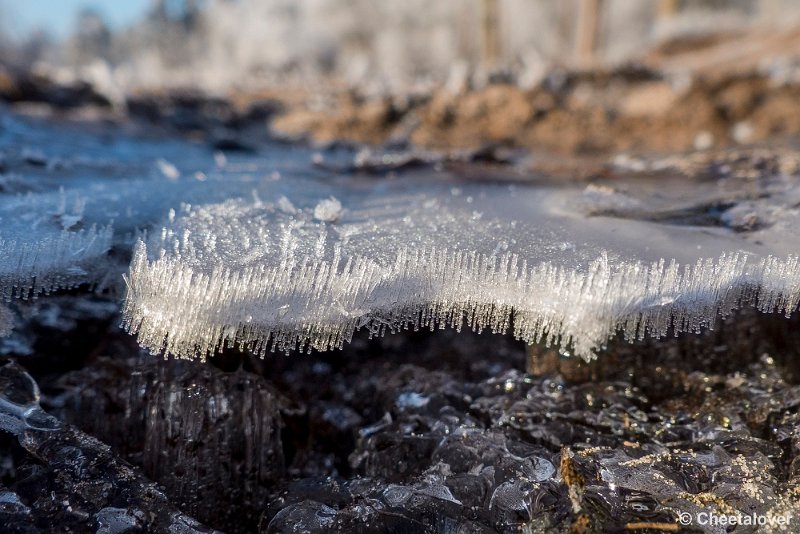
269, 251
419, 251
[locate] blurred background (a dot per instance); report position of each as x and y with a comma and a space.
304, 56
223, 44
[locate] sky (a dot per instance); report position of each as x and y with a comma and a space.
20, 17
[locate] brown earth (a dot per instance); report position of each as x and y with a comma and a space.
589, 113
692, 92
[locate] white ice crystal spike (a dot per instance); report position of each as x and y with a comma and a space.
47, 260
327, 210
55, 224
313, 303
270, 252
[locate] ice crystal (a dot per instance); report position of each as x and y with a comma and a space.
43, 245
55, 260
327, 210
57, 222
254, 275
318, 304
272, 252
6, 320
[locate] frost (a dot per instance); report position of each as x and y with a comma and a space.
56, 228
286, 206
270, 252
327, 210
66, 216
46, 245
301, 303
53, 261
250, 274
169, 170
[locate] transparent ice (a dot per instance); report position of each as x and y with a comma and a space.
270, 252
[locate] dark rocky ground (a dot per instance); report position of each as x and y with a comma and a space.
436, 432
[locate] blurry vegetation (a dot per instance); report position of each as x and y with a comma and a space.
222, 44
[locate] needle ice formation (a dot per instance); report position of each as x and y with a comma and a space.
270, 252
44, 246
418, 252
58, 222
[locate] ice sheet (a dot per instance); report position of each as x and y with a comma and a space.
429, 251
271, 252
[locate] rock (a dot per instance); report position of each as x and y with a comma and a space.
65, 479
34, 87
212, 439
614, 447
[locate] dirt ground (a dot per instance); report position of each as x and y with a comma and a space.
716, 91
712, 91
627, 110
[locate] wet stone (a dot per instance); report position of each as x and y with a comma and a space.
212, 439
60, 477
15, 516
416, 432
504, 450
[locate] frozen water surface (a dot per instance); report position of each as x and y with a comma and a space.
423, 250
268, 251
